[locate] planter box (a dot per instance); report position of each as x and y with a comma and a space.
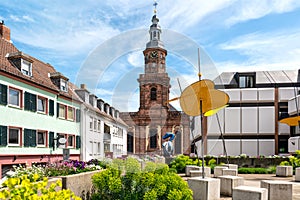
81, 184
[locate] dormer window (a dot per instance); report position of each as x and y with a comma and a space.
22, 61
26, 68
60, 81
246, 80
63, 85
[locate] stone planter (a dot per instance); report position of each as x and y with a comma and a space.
81, 184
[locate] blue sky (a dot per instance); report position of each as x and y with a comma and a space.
233, 35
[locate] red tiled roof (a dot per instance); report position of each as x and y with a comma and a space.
40, 70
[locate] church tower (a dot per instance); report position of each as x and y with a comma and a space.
154, 83
155, 116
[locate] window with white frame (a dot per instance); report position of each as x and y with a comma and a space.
26, 68
71, 113
41, 138
14, 98
63, 85
91, 123
71, 140
42, 104
14, 136
99, 148
95, 125
99, 125
62, 111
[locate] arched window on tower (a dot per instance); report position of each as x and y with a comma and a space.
153, 94
153, 138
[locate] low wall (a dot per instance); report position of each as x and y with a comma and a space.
81, 184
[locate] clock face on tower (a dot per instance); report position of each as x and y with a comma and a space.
153, 54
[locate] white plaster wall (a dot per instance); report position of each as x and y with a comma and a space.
233, 147
266, 94
249, 147
249, 94
267, 120
267, 147
215, 147
212, 123
234, 94
285, 94
232, 120
249, 120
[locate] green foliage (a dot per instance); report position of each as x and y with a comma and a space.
212, 163
293, 160
181, 161
156, 181
246, 170
24, 188
108, 184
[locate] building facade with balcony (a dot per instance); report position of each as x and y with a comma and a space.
250, 124
103, 132
37, 107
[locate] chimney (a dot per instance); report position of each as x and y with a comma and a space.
82, 86
4, 31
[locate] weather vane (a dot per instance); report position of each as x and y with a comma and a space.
155, 5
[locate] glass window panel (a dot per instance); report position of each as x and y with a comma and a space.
41, 138
26, 68
13, 136
70, 141
62, 112
41, 104
70, 113
14, 97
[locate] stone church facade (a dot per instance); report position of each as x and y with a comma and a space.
155, 116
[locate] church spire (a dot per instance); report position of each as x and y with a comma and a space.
155, 31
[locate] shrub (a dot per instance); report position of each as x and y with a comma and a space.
181, 161
293, 160
23, 188
154, 182
246, 170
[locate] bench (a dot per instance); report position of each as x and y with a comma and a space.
249, 193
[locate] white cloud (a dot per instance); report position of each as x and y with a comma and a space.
254, 9
180, 15
136, 59
266, 49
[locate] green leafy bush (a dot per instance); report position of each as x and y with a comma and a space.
26, 189
181, 161
246, 170
293, 160
156, 181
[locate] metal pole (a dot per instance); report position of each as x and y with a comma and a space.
202, 139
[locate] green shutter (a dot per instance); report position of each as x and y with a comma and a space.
27, 101
33, 102
27, 134
33, 138
3, 135
3, 94
29, 138
57, 110
77, 115
78, 142
51, 107
51, 141
30, 102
